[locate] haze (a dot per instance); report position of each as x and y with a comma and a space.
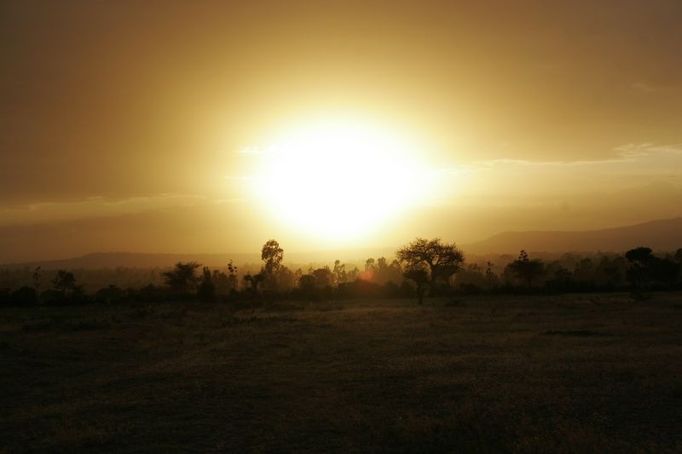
137, 126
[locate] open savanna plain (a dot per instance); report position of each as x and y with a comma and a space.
572, 373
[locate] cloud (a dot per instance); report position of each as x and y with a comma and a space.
627, 153
643, 87
528, 163
94, 207
635, 150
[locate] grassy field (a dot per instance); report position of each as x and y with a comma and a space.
569, 374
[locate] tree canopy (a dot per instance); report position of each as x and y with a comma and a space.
441, 260
272, 255
427, 262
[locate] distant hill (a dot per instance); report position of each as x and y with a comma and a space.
103, 260
137, 260
659, 235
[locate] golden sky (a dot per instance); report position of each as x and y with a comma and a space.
132, 126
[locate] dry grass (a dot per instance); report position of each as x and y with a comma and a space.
568, 374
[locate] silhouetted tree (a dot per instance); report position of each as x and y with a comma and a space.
583, 272
640, 255
420, 276
369, 265
221, 282
232, 277
110, 294
472, 279
317, 283
206, 288
272, 256
664, 271
647, 269
285, 279
610, 272
64, 282
37, 279
490, 275
638, 273
253, 281
339, 272
678, 259
525, 269
182, 278
559, 277
324, 278
387, 272
353, 274
307, 283
428, 262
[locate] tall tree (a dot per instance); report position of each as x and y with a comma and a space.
526, 269
232, 276
272, 256
339, 272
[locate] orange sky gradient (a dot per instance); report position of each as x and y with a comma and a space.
127, 126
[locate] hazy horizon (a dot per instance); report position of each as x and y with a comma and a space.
663, 236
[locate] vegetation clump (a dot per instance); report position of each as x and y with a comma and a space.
423, 267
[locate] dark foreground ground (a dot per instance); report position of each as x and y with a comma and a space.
571, 373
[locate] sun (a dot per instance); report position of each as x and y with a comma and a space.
337, 179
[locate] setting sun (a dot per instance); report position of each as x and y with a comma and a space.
339, 180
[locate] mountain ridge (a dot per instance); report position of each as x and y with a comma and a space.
662, 234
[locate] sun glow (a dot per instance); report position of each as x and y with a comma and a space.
339, 180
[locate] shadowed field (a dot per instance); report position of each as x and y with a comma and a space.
571, 373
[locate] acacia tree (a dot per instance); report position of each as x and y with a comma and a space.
429, 262
646, 269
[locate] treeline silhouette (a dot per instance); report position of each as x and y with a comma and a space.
421, 268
